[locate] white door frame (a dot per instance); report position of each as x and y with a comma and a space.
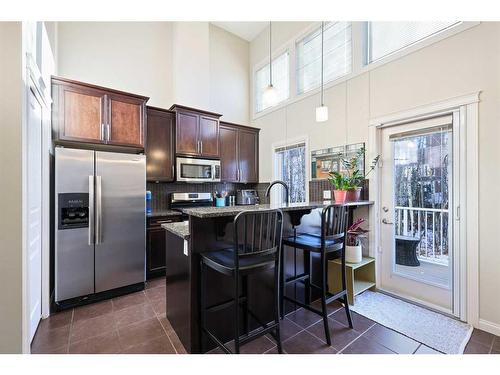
467, 107
32, 82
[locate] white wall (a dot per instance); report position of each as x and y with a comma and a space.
229, 76
190, 63
129, 56
11, 187
461, 64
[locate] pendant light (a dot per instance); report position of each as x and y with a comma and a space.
270, 96
322, 110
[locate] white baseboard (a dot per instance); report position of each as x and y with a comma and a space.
490, 327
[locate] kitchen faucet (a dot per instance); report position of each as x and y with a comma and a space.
275, 182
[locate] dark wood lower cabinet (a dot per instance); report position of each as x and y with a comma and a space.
156, 245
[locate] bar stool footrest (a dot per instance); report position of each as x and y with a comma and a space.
298, 278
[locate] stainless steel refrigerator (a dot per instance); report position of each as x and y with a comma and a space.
100, 221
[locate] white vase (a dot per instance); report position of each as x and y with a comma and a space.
353, 254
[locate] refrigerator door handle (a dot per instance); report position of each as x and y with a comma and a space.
91, 210
98, 200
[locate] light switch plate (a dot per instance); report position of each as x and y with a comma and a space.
327, 194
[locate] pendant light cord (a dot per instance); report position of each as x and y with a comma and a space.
270, 58
322, 51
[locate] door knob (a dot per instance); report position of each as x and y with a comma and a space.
384, 220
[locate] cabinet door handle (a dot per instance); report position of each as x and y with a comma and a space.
108, 127
173, 171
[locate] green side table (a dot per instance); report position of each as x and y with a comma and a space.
359, 277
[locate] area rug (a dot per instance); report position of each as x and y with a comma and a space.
435, 330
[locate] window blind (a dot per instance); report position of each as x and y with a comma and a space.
280, 81
385, 38
337, 56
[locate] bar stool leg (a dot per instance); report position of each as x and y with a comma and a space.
323, 298
307, 282
246, 316
236, 315
294, 267
345, 299
202, 306
277, 308
282, 285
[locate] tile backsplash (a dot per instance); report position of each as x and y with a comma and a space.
161, 191
316, 188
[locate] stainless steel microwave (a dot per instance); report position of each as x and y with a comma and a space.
198, 170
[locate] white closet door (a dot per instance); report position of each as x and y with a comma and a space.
34, 165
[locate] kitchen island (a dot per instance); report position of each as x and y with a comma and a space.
211, 229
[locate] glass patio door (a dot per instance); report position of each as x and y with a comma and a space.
416, 212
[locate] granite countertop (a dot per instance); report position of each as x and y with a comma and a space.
180, 229
207, 212
162, 213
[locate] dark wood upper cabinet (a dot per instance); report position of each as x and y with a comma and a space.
88, 113
126, 120
239, 153
209, 137
79, 112
228, 153
187, 133
160, 145
197, 132
248, 151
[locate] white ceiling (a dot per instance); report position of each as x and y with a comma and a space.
245, 30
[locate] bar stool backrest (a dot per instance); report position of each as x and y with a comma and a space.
333, 227
257, 233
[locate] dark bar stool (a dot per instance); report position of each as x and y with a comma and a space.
331, 240
256, 248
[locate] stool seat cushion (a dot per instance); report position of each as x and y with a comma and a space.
223, 261
309, 241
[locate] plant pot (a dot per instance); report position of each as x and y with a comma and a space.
340, 196
353, 254
353, 195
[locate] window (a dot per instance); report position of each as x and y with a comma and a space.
290, 167
385, 38
337, 56
280, 81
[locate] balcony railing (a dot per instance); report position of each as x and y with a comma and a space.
430, 225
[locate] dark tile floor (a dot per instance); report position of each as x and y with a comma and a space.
136, 323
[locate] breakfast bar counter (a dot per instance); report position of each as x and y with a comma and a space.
211, 229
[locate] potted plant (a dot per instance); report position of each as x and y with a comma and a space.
353, 248
353, 178
340, 185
